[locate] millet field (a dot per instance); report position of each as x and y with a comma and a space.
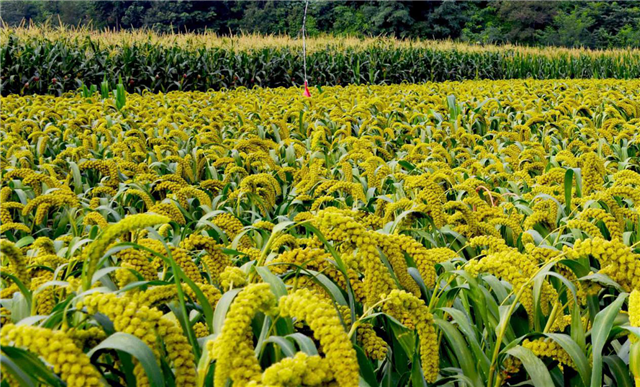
175, 212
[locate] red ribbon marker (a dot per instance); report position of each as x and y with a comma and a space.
306, 93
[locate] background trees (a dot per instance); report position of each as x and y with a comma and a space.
603, 24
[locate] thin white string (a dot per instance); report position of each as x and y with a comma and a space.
304, 40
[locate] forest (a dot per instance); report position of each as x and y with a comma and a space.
599, 25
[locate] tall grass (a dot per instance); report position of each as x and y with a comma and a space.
45, 60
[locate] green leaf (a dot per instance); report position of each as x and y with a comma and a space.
25, 241
602, 279
339, 264
634, 359
277, 286
201, 298
574, 351
600, 333
568, 185
578, 174
460, 348
535, 367
329, 286
30, 364
77, 177
577, 330
265, 331
305, 343
18, 374
102, 272
417, 376
619, 370
23, 289
405, 337
367, 372
221, 309
466, 329
135, 347
415, 274
104, 87
406, 165
287, 348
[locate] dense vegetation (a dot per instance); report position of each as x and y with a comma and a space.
594, 24
477, 233
43, 60
392, 228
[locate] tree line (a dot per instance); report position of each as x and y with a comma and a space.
605, 24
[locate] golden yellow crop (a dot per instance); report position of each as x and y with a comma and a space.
367, 232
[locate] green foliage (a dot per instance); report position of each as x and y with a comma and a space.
603, 24
119, 95
570, 30
58, 64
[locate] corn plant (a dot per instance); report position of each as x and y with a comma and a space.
45, 61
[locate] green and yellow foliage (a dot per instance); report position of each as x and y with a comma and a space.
458, 233
44, 60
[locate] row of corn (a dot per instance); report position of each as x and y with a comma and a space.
46, 61
478, 233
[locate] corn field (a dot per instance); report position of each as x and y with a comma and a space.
476, 233
44, 60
